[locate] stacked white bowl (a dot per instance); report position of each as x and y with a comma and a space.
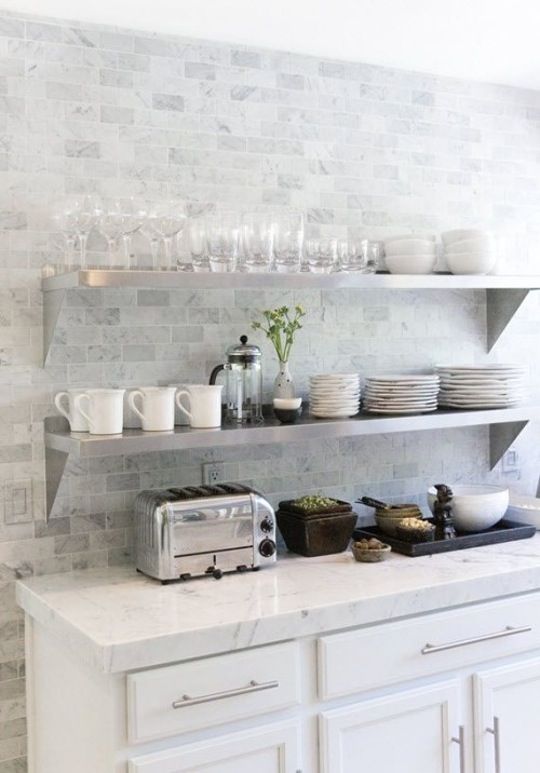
410, 254
470, 251
334, 395
498, 385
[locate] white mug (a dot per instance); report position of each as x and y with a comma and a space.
180, 418
77, 422
204, 405
156, 411
105, 410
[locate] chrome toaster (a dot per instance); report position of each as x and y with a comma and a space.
203, 530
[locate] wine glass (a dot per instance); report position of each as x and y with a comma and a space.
169, 221
258, 241
85, 212
150, 232
288, 242
109, 224
132, 219
64, 223
223, 241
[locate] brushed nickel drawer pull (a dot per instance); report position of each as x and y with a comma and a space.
253, 686
429, 649
495, 732
461, 741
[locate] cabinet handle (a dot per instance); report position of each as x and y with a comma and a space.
429, 649
461, 741
253, 686
495, 732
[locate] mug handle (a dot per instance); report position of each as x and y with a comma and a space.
77, 402
59, 407
179, 404
131, 402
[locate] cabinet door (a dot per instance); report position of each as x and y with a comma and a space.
409, 732
266, 750
507, 711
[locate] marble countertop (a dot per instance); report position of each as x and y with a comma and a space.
117, 620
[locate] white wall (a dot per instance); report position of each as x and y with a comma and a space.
476, 39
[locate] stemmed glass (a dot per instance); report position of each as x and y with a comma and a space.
65, 223
132, 219
110, 225
223, 241
258, 241
86, 212
150, 232
169, 222
288, 242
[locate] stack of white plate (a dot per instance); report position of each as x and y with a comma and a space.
334, 395
483, 386
407, 393
410, 254
470, 251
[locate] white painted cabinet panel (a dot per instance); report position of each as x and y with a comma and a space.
266, 750
409, 732
507, 710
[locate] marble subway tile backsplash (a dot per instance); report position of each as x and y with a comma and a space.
360, 149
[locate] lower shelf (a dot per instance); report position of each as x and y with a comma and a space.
505, 425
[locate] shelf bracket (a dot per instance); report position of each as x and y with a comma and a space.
52, 304
501, 437
501, 306
55, 463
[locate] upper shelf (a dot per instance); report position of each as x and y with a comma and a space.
303, 280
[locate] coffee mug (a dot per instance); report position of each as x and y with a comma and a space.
156, 410
77, 422
204, 405
180, 418
105, 410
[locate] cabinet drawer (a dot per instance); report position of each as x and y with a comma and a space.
202, 693
393, 652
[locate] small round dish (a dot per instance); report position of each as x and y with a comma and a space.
368, 552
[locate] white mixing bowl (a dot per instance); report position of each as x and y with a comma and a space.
410, 247
475, 507
471, 262
524, 509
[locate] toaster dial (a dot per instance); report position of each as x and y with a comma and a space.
267, 525
267, 548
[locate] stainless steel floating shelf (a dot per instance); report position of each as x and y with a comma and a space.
134, 441
205, 281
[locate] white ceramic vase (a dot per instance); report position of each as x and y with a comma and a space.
284, 384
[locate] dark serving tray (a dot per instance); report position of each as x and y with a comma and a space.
504, 531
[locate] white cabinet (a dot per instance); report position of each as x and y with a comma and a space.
507, 711
409, 732
265, 750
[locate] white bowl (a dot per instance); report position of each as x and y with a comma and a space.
475, 507
430, 238
480, 244
459, 234
524, 510
411, 264
471, 262
409, 247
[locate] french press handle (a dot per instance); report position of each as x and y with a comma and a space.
217, 370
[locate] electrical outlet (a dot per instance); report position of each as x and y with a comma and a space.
510, 460
213, 472
18, 505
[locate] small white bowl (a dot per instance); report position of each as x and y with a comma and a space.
411, 264
459, 234
475, 507
287, 403
480, 244
524, 509
410, 247
429, 238
471, 262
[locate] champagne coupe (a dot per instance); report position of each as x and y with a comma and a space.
132, 219
110, 225
169, 222
85, 212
